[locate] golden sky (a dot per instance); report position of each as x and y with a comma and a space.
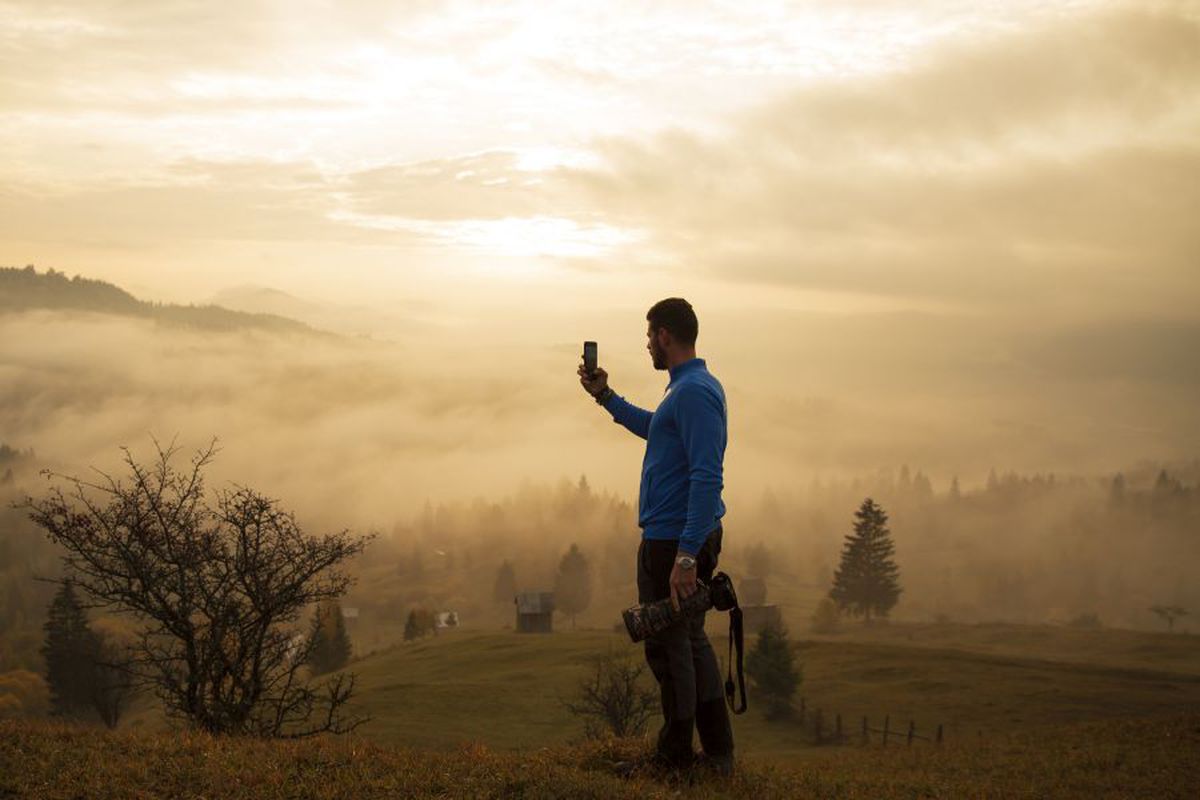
992, 203
936, 154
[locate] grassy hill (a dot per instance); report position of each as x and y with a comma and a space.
504, 690
1027, 711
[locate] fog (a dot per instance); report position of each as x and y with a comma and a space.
916, 235
373, 429
468, 442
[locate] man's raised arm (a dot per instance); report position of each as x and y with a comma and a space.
637, 420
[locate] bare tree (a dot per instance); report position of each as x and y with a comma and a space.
613, 698
218, 591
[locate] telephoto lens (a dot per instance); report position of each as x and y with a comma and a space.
651, 618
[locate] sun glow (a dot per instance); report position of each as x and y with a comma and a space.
508, 237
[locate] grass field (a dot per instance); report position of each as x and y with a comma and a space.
1114, 759
504, 690
1028, 712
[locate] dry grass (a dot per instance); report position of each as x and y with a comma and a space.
1157, 758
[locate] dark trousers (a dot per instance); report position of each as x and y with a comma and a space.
682, 659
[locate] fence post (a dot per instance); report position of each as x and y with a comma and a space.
865, 738
838, 737
802, 710
912, 728
886, 723
939, 733
817, 725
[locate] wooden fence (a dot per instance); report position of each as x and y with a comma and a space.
824, 732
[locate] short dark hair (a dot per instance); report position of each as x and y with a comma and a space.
675, 315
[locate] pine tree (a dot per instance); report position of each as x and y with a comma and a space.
922, 487
505, 587
955, 491
573, 586
70, 651
421, 622
319, 634
867, 580
412, 627
1116, 490
331, 644
758, 561
111, 687
773, 671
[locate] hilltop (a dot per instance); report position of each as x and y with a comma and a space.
27, 290
505, 690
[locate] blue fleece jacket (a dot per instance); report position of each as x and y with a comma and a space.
682, 473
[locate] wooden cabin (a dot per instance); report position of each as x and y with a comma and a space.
535, 612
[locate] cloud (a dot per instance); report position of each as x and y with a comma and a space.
477, 186
990, 175
192, 200
51, 54
972, 98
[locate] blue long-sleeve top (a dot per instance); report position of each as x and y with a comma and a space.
682, 472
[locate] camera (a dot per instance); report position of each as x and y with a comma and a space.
645, 620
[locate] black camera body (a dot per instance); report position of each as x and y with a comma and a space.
645, 620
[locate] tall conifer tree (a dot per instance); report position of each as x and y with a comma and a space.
772, 668
70, 651
331, 643
505, 587
867, 581
573, 586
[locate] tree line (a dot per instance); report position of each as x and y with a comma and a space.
25, 289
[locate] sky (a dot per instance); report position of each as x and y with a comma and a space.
988, 206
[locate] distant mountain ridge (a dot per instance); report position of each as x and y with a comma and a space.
27, 289
254, 299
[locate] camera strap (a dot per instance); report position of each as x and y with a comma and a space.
736, 638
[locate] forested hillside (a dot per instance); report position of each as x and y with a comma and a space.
27, 289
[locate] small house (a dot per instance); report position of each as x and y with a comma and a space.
535, 612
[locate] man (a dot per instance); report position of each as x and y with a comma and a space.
679, 511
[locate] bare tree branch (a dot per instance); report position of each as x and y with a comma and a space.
218, 591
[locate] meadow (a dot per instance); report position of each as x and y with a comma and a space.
505, 690
1027, 711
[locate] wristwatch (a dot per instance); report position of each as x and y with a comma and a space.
685, 562
603, 395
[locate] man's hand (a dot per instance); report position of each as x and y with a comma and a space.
595, 383
683, 584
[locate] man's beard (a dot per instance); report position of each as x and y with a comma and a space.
659, 359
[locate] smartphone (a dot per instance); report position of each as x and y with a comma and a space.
589, 357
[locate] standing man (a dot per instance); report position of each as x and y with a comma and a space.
679, 511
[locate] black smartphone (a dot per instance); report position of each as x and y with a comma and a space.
589, 357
